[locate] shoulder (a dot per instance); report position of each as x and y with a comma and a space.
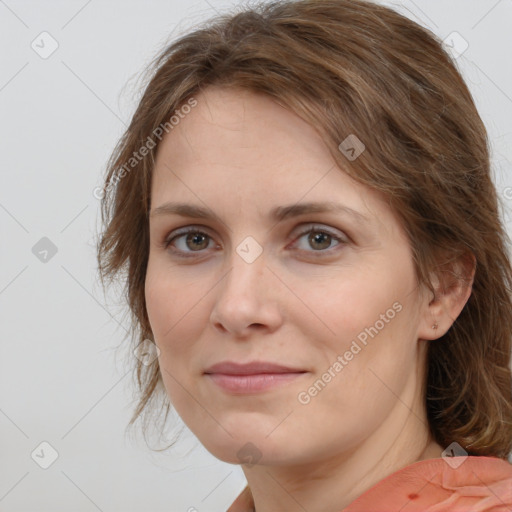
442, 485
454, 484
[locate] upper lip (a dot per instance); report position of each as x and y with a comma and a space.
254, 367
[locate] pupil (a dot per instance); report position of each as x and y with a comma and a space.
196, 237
317, 238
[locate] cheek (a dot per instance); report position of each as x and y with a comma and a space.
173, 300
176, 315
361, 329
349, 397
171, 316
335, 309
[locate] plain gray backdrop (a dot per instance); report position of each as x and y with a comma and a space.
67, 91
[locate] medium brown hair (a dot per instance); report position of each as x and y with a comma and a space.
350, 67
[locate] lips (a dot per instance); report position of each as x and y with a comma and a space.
253, 368
254, 377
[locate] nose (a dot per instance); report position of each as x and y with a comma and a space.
246, 298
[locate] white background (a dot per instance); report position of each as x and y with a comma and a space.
62, 378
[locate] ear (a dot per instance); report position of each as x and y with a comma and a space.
453, 285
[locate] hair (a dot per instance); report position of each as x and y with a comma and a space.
348, 67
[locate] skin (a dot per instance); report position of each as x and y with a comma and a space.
288, 307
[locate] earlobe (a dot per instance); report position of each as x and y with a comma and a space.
452, 291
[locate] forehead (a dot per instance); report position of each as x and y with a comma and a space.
233, 124
236, 147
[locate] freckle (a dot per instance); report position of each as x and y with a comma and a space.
413, 496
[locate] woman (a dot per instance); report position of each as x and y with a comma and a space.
304, 210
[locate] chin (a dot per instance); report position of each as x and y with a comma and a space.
243, 447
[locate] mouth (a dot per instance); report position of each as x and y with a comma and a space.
251, 377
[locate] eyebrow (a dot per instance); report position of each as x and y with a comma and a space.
278, 213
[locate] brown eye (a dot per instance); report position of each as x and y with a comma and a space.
319, 240
188, 241
196, 241
192, 241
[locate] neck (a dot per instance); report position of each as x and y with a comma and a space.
332, 482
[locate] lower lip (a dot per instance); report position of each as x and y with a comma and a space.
252, 383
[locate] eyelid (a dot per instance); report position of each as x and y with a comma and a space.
315, 226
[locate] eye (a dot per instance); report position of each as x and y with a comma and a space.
190, 240
320, 239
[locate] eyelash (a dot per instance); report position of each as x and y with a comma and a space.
197, 230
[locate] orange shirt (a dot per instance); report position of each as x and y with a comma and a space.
478, 484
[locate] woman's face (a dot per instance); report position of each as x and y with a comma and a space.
331, 295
